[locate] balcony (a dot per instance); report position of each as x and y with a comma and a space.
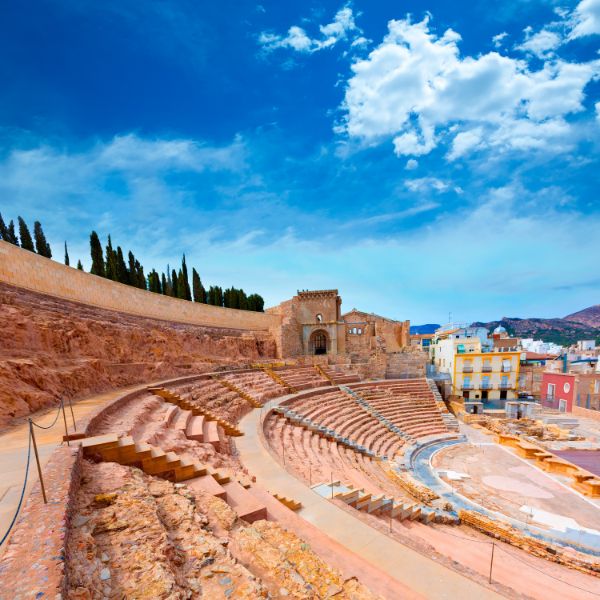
467, 386
467, 369
486, 369
506, 369
506, 386
487, 386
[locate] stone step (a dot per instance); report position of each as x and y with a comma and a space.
182, 419
195, 429
244, 503
211, 434
208, 484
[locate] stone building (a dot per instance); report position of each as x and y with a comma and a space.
311, 324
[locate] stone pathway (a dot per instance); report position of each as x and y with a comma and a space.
14, 443
418, 572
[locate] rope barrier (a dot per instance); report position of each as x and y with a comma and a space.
53, 424
14, 519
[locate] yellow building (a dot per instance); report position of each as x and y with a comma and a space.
486, 375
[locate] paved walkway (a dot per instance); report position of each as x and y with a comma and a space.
14, 443
415, 570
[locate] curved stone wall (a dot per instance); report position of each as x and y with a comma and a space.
25, 269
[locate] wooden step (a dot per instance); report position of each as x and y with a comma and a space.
96, 443
245, 504
289, 502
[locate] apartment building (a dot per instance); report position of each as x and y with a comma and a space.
478, 372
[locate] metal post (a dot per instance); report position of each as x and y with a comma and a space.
37, 460
492, 561
72, 415
65, 420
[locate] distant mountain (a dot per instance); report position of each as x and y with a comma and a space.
582, 325
588, 316
428, 328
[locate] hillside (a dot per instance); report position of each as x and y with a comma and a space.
581, 325
588, 316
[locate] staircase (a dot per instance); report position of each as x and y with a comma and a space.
169, 465
288, 502
375, 413
450, 421
196, 410
381, 505
247, 397
277, 379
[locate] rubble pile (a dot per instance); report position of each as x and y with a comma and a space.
137, 536
527, 427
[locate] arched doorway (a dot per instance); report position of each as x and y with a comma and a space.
319, 342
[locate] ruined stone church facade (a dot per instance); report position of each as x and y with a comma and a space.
312, 324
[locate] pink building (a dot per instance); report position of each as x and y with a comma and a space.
558, 391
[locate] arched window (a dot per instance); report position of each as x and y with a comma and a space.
319, 318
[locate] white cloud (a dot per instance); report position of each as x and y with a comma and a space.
542, 43
585, 19
417, 89
465, 141
425, 184
497, 40
411, 164
597, 107
342, 27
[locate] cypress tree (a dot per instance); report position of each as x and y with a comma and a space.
174, 283
122, 273
199, 291
111, 263
42, 246
140, 278
11, 235
256, 303
79, 265
165, 289
3, 229
181, 289
97, 255
67, 262
132, 272
186, 281
26, 241
242, 300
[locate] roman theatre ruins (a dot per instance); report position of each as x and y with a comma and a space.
190, 451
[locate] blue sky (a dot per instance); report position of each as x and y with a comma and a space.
422, 157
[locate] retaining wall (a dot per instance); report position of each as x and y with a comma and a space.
29, 270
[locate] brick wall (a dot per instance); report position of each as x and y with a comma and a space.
28, 270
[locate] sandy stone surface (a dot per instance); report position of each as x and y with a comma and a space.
136, 536
53, 348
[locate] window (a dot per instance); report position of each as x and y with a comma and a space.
551, 390
596, 386
319, 318
567, 388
